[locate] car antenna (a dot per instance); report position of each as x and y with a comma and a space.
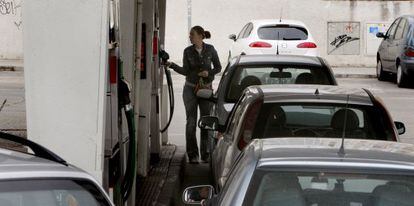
281, 14
277, 44
341, 151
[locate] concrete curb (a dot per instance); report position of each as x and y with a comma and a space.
170, 193
365, 76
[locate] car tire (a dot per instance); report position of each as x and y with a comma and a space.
402, 79
381, 75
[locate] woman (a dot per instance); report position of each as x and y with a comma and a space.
200, 64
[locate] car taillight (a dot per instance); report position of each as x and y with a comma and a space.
259, 44
306, 45
249, 123
409, 52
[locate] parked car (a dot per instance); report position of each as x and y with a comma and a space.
277, 111
247, 70
43, 178
396, 52
315, 171
273, 36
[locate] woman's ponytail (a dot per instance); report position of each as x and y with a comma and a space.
207, 35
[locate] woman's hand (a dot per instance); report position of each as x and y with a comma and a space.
203, 74
168, 64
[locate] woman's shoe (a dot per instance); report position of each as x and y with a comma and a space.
193, 160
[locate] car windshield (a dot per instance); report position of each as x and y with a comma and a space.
323, 188
46, 192
264, 75
322, 120
283, 32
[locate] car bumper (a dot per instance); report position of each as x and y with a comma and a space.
408, 66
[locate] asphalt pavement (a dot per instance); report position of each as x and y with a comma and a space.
400, 103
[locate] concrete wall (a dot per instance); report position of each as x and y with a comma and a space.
11, 30
224, 17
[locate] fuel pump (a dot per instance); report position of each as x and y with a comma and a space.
120, 151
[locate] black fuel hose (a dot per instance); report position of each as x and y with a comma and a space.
171, 97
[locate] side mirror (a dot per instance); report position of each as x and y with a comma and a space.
400, 127
197, 195
208, 123
205, 93
381, 35
233, 37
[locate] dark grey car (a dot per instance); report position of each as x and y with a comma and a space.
396, 52
248, 70
313, 171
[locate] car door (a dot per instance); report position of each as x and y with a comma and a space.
245, 39
236, 47
221, 151
398, 43
386, 47
242, 41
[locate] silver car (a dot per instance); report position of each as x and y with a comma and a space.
277, 111
316, 171
44, 179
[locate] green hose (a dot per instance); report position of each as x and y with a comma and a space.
129, 177
123, 186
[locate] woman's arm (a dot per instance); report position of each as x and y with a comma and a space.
184, 69
216, 63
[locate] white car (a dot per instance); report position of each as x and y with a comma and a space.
275, 36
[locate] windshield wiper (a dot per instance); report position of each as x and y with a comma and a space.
2, 104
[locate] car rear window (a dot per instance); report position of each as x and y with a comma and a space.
322, 120
266, 75
50, 192
283, 32
270, 187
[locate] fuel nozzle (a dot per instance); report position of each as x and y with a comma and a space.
164, 56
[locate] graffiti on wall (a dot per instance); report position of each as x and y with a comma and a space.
344, 38
12, 8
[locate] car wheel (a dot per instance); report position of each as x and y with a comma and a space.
381, 75
402, 79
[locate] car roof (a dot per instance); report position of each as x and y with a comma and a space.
280, 60
313, 93
325, 152
19, 165
262, 22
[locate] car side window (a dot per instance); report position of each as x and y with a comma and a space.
237, 116
399, 33
391, 30
223, 77
248, 31
242, 31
